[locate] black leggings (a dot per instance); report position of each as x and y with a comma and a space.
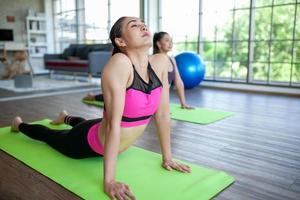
72, 143
99, 97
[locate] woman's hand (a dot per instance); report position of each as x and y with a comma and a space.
184, 106
118, 191
170, 165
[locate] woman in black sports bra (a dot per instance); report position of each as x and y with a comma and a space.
162, 43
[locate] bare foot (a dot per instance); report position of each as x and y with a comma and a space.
89, 97
15, 124
60, 118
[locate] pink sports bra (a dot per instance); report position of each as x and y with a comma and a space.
141, 102
141, 99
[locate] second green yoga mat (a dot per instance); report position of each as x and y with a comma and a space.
197, 115
94, 103
139, 168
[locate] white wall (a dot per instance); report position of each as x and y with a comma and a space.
18, 9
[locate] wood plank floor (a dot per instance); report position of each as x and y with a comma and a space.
259, 145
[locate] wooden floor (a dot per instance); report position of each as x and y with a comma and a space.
259, 145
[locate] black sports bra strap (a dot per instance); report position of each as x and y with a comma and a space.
149, 66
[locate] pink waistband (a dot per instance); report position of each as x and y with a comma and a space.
94, 140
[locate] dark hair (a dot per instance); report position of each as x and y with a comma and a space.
116, 32
157, 37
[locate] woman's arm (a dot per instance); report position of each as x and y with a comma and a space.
162, 115
114, 80
162, 118
180, 87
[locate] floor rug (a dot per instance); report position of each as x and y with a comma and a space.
44, 83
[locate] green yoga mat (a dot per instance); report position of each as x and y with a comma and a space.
94, 103
137, 167
197, 115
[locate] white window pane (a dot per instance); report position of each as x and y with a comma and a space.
121, 8
96, 18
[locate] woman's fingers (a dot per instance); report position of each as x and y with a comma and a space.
119, 196
129, 194
120, 191
177, 166
169, 168
187, 107
166, 166
123, 195
185, 168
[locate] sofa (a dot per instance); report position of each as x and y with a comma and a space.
85, 58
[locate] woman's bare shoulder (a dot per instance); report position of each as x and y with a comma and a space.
158, 57
117, 62
159, 60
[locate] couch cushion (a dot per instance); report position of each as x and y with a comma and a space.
66, 53
70, 51
83, 52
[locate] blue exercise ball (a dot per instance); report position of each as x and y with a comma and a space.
191, 68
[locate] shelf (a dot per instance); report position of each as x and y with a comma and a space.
38, 44
36, 32
36, 18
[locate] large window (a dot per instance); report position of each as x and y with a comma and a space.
274, 42
124, 8
96, 18
181, 21
251, 41
88, 21
65, 23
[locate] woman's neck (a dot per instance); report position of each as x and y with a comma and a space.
164, 52
138, 57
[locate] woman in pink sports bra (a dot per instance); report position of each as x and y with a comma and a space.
162, 43
135, 89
